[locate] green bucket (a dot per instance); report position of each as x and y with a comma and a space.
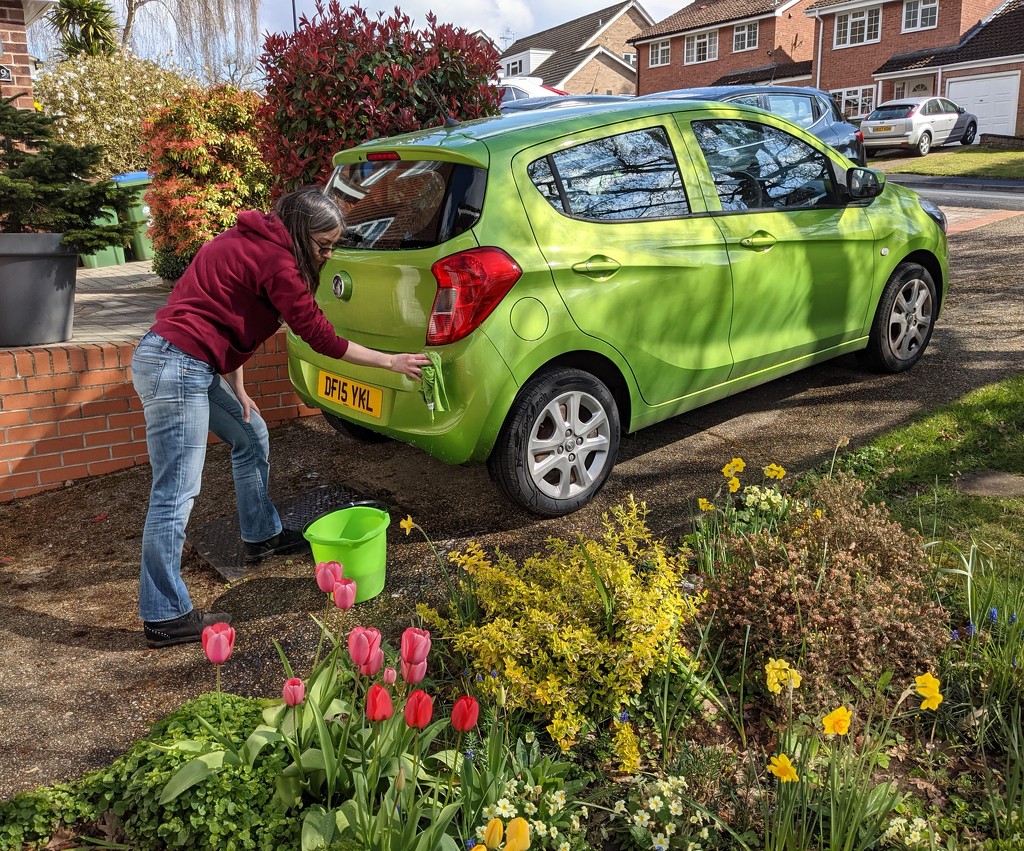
355, 537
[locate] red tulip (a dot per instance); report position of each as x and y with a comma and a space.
327, 575
345, 593
363, 644
378, 703
413, 674
390, 676
465, 713
418, 709
218, 642
294, 691
373, 664
415, 645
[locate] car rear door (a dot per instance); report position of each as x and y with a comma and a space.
941, 119
633, 258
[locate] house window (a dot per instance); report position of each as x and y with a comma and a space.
514, 68
856, 102
859, 27
701, 48
744, 37
630, 58
659, 54
920, 15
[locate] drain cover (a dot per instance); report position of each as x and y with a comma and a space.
220, 542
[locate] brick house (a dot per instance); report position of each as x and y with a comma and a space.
588, 55
15, 63
971, 51
717, 42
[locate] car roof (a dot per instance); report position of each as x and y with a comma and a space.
717, 92
909, 101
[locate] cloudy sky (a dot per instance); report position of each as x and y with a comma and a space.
502, 20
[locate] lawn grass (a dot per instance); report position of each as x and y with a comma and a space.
956, 161
915, 470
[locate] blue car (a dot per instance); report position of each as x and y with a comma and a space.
812, 109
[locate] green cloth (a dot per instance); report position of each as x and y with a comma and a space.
432, 385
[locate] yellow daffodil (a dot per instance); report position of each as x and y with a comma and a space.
737, 465
837, 722
408, 524
704, 505
782, 768
494, 832
928, 688
818, 514
734, 484
778, 674
517, 838
774, 471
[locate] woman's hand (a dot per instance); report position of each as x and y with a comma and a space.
236, 382
409, 364
406, 364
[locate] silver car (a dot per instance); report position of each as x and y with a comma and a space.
918, 124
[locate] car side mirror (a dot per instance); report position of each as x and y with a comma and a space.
961, 110
864, 183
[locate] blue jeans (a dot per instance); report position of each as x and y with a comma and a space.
183, 399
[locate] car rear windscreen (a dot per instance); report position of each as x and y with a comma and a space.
406, 204
888, 113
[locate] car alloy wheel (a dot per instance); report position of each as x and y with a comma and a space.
969, 134
904, 320
558, 444
924, 144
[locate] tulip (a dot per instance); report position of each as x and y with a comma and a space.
494, 832
327, 575
390, 676
373, 664
418, 709
415, 645
345, 593
378, 703
413, 674
218, 642
517, 838
465, 713
294, 691
363, 644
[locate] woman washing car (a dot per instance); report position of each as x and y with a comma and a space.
188, 370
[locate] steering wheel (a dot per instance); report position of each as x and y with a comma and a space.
747, 190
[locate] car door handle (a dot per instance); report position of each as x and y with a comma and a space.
597, 266
758, 240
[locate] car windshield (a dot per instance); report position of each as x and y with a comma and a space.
891, 111
406, 204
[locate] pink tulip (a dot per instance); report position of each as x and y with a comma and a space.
390, 676
345, 593
363, 645
327, 575
415, 645
412, 674
218, 642
373, 664
294, 691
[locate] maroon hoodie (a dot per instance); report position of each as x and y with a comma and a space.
235, 293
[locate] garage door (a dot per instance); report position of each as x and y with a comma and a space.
993, 98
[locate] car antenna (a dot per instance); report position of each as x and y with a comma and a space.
448, 120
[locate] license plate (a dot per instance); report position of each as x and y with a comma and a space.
352, 394
883, 129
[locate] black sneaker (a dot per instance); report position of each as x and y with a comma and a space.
182, 630
285, 542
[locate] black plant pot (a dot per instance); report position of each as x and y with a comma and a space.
37, 289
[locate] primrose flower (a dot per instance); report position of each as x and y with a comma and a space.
737, 465
408, 524
928, 688
774, 471
782, 768
704, 505
837, 722
733, 484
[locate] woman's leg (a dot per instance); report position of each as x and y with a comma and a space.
250, 462
173, 387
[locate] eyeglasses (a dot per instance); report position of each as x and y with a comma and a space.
322, 248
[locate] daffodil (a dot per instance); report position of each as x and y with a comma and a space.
778, 674
928, 688
782, 768
733, 484
408, 524
837, 722
774, 471
704, 505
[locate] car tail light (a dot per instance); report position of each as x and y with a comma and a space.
469, 286
553, 90
382, 156
859, 136
914, 109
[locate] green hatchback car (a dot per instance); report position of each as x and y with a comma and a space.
589, 270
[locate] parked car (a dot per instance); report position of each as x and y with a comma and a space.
918, 125
560, 102
814, 110
586, 271
517, 88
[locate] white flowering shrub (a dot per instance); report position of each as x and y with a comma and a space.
103, 100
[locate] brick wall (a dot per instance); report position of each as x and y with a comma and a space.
601, 76
69, 411
14, 53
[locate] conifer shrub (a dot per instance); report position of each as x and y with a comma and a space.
345, 77
571, 634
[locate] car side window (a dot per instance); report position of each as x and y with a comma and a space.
796, 108
624, 177
948, 106
932, 108
755, 166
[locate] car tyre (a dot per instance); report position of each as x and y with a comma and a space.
354, 430
558, 444
903, 322
969, 134
924, 144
